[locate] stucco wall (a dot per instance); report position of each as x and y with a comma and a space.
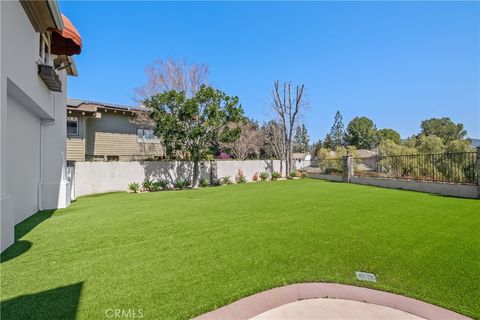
29, 150
99, 177
23, 172
249, 167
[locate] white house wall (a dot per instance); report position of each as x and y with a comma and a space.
29, 104
23, 128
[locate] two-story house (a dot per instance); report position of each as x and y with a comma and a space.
37, 45
98, 131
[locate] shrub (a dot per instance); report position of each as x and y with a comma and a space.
276, 175
147, 184
163, 183
155, 186
134, 187
293, 174
333, 171
223, 156
183, 184
264, 176
240, 178
255, 176
203, 182
304, 174
226, 180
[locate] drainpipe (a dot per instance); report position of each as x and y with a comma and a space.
42, 126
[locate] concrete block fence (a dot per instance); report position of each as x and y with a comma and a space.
99, 177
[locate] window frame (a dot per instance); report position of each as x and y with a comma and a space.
70, 118
141, 137
45, 49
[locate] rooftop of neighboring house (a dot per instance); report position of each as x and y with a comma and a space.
475, 142
300, 155
93, 106
365, 153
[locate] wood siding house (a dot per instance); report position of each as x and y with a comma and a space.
107, 132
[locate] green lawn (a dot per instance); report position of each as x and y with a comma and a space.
180, 254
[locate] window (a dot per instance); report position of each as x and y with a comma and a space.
72, 126
44, 49
146, 136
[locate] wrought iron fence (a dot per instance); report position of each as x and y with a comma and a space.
327, 166
445, 167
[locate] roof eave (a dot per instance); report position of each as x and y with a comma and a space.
43, 15
72, 68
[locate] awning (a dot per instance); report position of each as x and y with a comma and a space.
67, 41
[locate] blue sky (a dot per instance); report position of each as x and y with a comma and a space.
395, 62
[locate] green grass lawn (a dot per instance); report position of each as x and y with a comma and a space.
180, 254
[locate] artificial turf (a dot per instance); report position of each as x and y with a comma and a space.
180, 254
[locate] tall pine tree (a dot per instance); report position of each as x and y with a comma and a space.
302, 140
337, 134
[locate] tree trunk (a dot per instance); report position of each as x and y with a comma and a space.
195, 174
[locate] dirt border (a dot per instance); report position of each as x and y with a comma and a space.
258, 303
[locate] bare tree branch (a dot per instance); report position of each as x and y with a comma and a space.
171, 74
288, 110
248, 144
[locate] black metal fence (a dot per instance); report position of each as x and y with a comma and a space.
445, 167
327, 166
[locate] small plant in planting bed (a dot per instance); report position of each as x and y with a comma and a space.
276, 175
240, 178
155, 186
293, 174
264, 176
147, 184
203, 182
163, 184
304, 174
226, 180
134, 187
255, 177
182, 184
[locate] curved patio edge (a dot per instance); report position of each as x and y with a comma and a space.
253, 305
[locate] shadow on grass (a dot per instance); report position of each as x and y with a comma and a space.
60, 303
21, 229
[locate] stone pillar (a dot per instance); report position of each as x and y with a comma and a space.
347, 168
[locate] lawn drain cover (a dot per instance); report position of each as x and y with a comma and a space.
365, 276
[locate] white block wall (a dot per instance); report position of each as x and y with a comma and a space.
100, 177
249, 167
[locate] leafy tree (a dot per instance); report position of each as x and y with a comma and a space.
430, 144
444, 128
328, 142
457, 146
302, 139
390, 148
410, 142
336, 132
388, 134
361, 133
317, 146
192, 126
